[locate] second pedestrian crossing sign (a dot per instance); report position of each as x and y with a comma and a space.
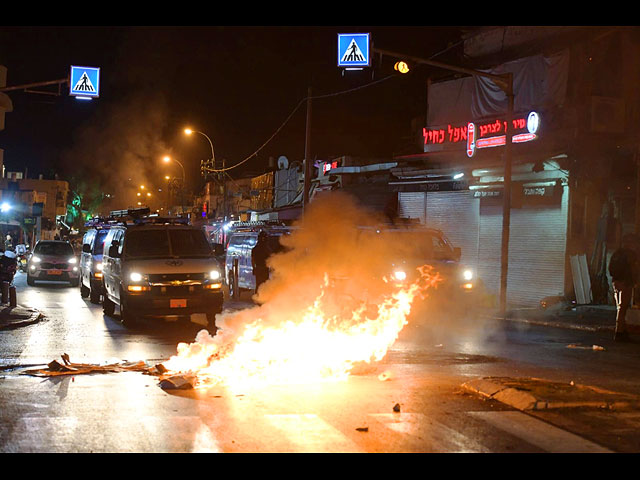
353, 50
84, 82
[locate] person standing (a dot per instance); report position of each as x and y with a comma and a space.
623, 268
259, 255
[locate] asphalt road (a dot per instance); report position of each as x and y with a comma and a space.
418, 406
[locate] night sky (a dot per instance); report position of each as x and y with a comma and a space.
236, 84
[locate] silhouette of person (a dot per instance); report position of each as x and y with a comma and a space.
259, 255
623, 268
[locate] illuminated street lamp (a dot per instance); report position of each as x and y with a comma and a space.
189, 131
168, 159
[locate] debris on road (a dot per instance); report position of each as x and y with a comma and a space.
396, 407
362, 429
167, 381
178, 382
586, 347
56, 368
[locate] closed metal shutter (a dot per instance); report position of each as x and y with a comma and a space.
537, 249
456, 214
489, 245
412, 205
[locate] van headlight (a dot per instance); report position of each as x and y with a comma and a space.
72, 260
136, 277
467, 274
400, 275
36, 259
98, 266
214, 275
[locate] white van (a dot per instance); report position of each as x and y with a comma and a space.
158, 268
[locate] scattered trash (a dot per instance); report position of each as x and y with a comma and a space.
396, 407
177, 382
586, 347
56, 368
362, 429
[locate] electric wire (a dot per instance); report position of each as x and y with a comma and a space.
313, 97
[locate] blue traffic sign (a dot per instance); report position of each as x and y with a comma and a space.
353, 50
84, 81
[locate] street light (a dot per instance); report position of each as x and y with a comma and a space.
168, 159
505, 83
189, 131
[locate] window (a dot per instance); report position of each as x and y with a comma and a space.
189, 243
53, 248
147, 243
98, 244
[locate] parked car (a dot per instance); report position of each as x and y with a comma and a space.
53, 260
160, 268
91, 262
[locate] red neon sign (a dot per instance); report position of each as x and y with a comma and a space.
456, 134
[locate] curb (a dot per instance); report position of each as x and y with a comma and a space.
547, 323
524, 399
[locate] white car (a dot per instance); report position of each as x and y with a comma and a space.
53, 260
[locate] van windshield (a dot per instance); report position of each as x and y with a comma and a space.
166, 243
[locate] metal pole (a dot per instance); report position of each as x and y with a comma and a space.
505, 83
506, 205
307, 159
224, 193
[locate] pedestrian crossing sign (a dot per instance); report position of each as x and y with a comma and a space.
353, 50
84, 82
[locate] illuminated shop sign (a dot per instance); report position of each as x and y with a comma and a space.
484, 135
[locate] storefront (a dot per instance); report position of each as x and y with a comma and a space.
463, 197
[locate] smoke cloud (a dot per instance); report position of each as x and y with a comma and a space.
333, 257
121, 148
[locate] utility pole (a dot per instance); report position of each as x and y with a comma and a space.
506, 204
307, 159
505, 83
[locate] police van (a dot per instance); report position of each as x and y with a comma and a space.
243, 236
160, 268
91, 258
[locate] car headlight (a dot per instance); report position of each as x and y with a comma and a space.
400, 275
467, 274
214, 275
35, 259
72, 260
136, 277
99, 266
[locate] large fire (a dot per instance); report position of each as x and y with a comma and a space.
303, 346
328, 306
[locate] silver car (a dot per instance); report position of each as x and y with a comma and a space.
53, 260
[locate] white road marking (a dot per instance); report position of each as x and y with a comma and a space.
309, 433
541, 434
440, 437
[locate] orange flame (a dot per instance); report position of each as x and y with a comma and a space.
307, 346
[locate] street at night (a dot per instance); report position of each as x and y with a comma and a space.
319, 239
412, 401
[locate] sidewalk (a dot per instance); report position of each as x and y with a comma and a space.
18, 316
582, 317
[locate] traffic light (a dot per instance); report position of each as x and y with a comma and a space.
401, 67
202, 168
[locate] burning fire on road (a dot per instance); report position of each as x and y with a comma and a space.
326, 309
